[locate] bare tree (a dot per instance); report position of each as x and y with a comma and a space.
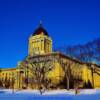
39, 70
40, 66
7, 82
67, 69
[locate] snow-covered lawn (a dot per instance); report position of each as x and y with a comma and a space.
51, 92
86, 94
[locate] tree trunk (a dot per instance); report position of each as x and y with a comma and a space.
92, 79
67, 82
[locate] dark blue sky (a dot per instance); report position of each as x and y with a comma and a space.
68, 22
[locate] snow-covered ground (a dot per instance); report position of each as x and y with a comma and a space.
51, 92
86, 94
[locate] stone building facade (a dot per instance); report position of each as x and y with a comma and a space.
44, 68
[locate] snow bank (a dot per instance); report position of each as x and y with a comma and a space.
52, 92
89, 91
59, 92
5, 90
72, 92
27, 92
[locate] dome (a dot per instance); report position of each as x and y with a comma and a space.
40, 30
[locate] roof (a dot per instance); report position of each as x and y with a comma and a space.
8, 69
57, 54
64, 56
40, 30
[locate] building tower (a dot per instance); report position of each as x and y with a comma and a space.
40, 42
